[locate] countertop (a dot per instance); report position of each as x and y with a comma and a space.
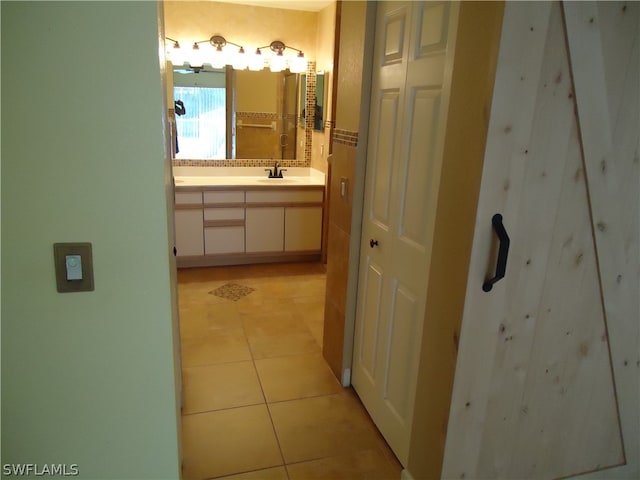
188, 178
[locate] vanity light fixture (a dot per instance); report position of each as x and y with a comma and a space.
214, 53
279, 62
219, 57
211, 51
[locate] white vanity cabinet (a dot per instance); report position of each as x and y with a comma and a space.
188, 224
240, 225
285, 220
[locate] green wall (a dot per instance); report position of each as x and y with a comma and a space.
87, 378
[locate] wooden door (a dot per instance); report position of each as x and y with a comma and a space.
543, 385
410, 91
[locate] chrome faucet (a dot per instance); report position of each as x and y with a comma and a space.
276, 172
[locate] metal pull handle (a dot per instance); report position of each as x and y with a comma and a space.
503, 252
373, 243
284, 140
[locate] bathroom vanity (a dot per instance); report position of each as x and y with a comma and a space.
240, 217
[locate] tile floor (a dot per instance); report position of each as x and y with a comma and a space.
259, 400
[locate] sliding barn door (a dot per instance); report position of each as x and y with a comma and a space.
410, 91
546, 383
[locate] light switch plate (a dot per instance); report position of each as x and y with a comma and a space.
69, 280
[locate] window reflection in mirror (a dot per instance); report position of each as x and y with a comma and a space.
236, 114
201, 129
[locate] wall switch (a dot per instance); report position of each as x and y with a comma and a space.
73, 266
73, 263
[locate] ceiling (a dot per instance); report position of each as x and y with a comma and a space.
306, 5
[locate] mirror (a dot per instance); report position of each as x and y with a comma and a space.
236, 114
318, 122
302, 99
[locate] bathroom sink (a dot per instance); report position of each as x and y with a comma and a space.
278, 181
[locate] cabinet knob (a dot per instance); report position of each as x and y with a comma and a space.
373, 243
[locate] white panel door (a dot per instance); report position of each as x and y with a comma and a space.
536, 394
408, 112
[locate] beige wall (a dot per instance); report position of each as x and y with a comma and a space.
245, 25
325, 43
352, 33
353, 18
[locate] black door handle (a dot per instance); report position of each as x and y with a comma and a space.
373, 242
503, 252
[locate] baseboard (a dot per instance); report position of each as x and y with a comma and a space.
346, 377
245, 259
405, 475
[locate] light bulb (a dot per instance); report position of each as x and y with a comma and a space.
278, 63
176, 54
217, 58
256, 62
298, 64
239, 61
195, 57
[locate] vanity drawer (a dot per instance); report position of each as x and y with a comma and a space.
188, 198
224, 197
223, 214
285, 196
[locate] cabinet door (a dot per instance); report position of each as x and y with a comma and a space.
303, 229
264, 229
189, 234
219, 240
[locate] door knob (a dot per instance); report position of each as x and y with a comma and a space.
373, 243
